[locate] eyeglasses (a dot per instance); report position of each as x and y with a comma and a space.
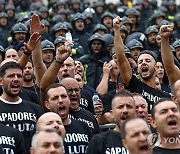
70, 91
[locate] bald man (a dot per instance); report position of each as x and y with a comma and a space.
51, 120
11, 54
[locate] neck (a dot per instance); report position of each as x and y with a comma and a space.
66, 121
9, 98
113, 79
150, 82
28, 84
117, 129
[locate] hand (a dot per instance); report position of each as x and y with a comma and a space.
31, 44
107, 68
63, 52
36, 25
117, 22
158, 39
98, 108
115, 58
166, 30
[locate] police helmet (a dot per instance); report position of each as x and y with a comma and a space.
109, 39
138, 36
45, 22
134, 44
46, 44
131, 11
10, 7
106, 14
151, 29
96, 36
60, 26
98, 27
3, 15
79, 16
59, 39
19, 28
176, 44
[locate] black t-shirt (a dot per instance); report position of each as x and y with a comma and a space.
159, 150
87, 117
107, 99
77, 137
21, 115
86, 101
1, 149
106, 142
11, 140
35, 89
111, 86
151, 95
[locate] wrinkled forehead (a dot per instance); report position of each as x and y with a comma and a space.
145, 56
69, 60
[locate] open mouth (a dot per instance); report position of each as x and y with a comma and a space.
144, 148
66, 75
124, 118
62, 110
74, 100
15, 87
144, 69
172, 123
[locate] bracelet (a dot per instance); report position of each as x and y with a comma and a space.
27, 53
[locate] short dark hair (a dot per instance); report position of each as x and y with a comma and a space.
122, 93
147, 52
54, 85
9, 65
123, 126
158, 102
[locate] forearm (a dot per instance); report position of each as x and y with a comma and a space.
23, 60
166, 53
118, 45
39, 66
50, 75
172, 70
122, 61
102, 88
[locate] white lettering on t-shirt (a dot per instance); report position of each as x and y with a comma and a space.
18, 116
7, 140
76, 137
116, 150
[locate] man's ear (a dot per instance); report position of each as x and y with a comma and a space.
46, 104
124, 143
31, 150
1, 81
153, 123
111, 113
174, 98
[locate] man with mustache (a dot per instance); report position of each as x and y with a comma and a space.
123, 107
166, 120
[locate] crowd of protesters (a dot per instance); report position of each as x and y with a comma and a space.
127, 53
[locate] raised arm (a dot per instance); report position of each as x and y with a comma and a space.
102, 88
30, 45
62, 53
122, 62
39, 67
172, 70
